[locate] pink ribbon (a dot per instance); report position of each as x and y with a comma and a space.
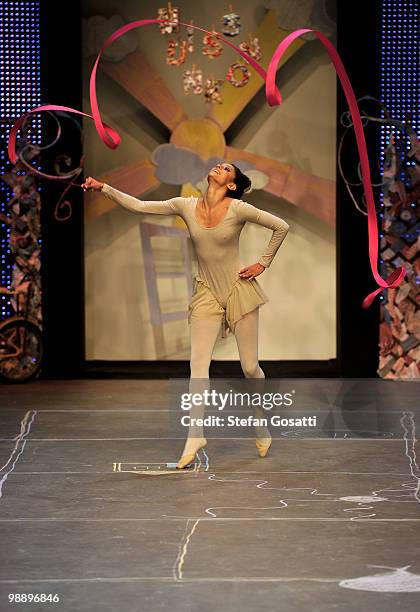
112, 139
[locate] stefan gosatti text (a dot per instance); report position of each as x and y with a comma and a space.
234, 421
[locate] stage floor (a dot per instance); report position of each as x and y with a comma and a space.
325, 522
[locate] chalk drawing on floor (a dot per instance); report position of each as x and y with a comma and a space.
398, 580
201, 463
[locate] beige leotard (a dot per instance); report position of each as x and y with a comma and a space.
218, 288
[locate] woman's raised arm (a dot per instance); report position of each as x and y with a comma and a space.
158, 207
279, 226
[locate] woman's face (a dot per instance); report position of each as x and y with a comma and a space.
223, 175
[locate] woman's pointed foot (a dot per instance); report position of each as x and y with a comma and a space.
191, 449
263, 444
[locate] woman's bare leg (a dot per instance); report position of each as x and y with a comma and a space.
203, 337
246, 334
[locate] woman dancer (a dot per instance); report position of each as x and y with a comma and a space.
224, 298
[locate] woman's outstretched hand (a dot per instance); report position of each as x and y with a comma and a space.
251, 271
92, 184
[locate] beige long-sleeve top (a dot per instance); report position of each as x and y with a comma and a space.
217, 248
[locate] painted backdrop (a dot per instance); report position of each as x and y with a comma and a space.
139, 268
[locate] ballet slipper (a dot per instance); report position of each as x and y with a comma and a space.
263, 445
189, 457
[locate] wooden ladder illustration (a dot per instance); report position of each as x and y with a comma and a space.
157, 317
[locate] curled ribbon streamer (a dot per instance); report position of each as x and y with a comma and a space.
112, 139
274, 98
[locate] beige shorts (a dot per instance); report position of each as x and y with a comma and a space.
244, 296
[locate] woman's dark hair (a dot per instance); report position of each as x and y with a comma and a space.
242, 182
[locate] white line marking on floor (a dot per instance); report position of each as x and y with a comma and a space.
283, 439
25, 428
326, 410
222, 471
182, 553
410, 451
195, 518
170, 579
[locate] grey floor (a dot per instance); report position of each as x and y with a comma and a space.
90, 510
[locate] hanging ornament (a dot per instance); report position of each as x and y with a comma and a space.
252, 47
190, 38
170, 13
171, 52
212, 47
212, 90
231, 74
193, 80
231, 23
